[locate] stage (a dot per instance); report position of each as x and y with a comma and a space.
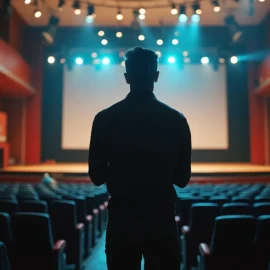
201, 172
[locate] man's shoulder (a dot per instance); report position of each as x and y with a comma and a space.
173, 112
110, 110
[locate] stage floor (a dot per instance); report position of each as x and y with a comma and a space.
197, 168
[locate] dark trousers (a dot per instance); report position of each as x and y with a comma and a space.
155, 238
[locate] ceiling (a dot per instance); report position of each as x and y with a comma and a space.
106, 16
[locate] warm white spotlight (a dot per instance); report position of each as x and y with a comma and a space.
141, 37
142, 11
174, 10
186, 60
77, 11
205, 60
101, 33
234, 60
159, 42
185, 53
217, 9
198, 11
261, 0
221, 60
123, 64
27, 2
104, 41
175, 41
94, 55
119, 16
141, 16
119, 34
79, 61
158, 53
37, 14
62, 61
51, 59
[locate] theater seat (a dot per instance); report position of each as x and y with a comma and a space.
199, 230
8, 206
262, 208
5, 232
236, 208
4, 262
33, 243
232, 245
65, 226
34, 206
263, 242
220, 200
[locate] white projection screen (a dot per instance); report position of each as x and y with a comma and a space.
197, 91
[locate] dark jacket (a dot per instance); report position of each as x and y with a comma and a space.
140, 147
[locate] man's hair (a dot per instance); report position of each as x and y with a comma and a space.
141, 62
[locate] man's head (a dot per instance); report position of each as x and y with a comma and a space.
141, 68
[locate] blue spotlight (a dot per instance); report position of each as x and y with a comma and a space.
106, 61
79, 61
171, 60
183, 18
195, 18
205, 60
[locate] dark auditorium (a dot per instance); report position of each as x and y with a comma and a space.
134, 134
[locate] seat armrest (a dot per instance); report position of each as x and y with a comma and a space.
59, 256
185, 229
80, 245
101, 207
80, 226
95, 211
177, 219
105, 204
89, 218
204, 250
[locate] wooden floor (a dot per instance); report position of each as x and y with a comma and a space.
197, 168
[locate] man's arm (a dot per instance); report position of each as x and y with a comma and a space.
183, 167
97, 159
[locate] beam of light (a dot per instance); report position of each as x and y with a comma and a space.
79, 61
195, 18
106, 61
183, 18
171, 60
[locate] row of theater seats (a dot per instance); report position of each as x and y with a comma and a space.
224, 226
51, 228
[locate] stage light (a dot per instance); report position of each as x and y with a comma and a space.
79, 61
159, 42
104, 41
96, 61
121, 53
261, 0
234, 60
76, 6
182, 14
90, 13
216, 5
142, 11
101, 33
27, 2
176, 33
119, 16
158, 53
174, 10
197, 8
62, 61
175, 41
123, 64
141, 16
195, 18
185, 53
183, 18
37, 14
51, 59
186, 60
94, 55
141, 37
119, 34
205, 60
60, 5
106, 61
221, 60
171, 60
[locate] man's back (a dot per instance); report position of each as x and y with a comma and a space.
146, 145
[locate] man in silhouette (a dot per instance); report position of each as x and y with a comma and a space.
140, 148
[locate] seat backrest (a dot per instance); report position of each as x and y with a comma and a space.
8, 206
32, 232
263, 233
80, 207
4, 263
202, 220
242, 199
34, 206
262, 199
5, 229
219, 199
234, 235
64, 219
262, 208
236, 208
